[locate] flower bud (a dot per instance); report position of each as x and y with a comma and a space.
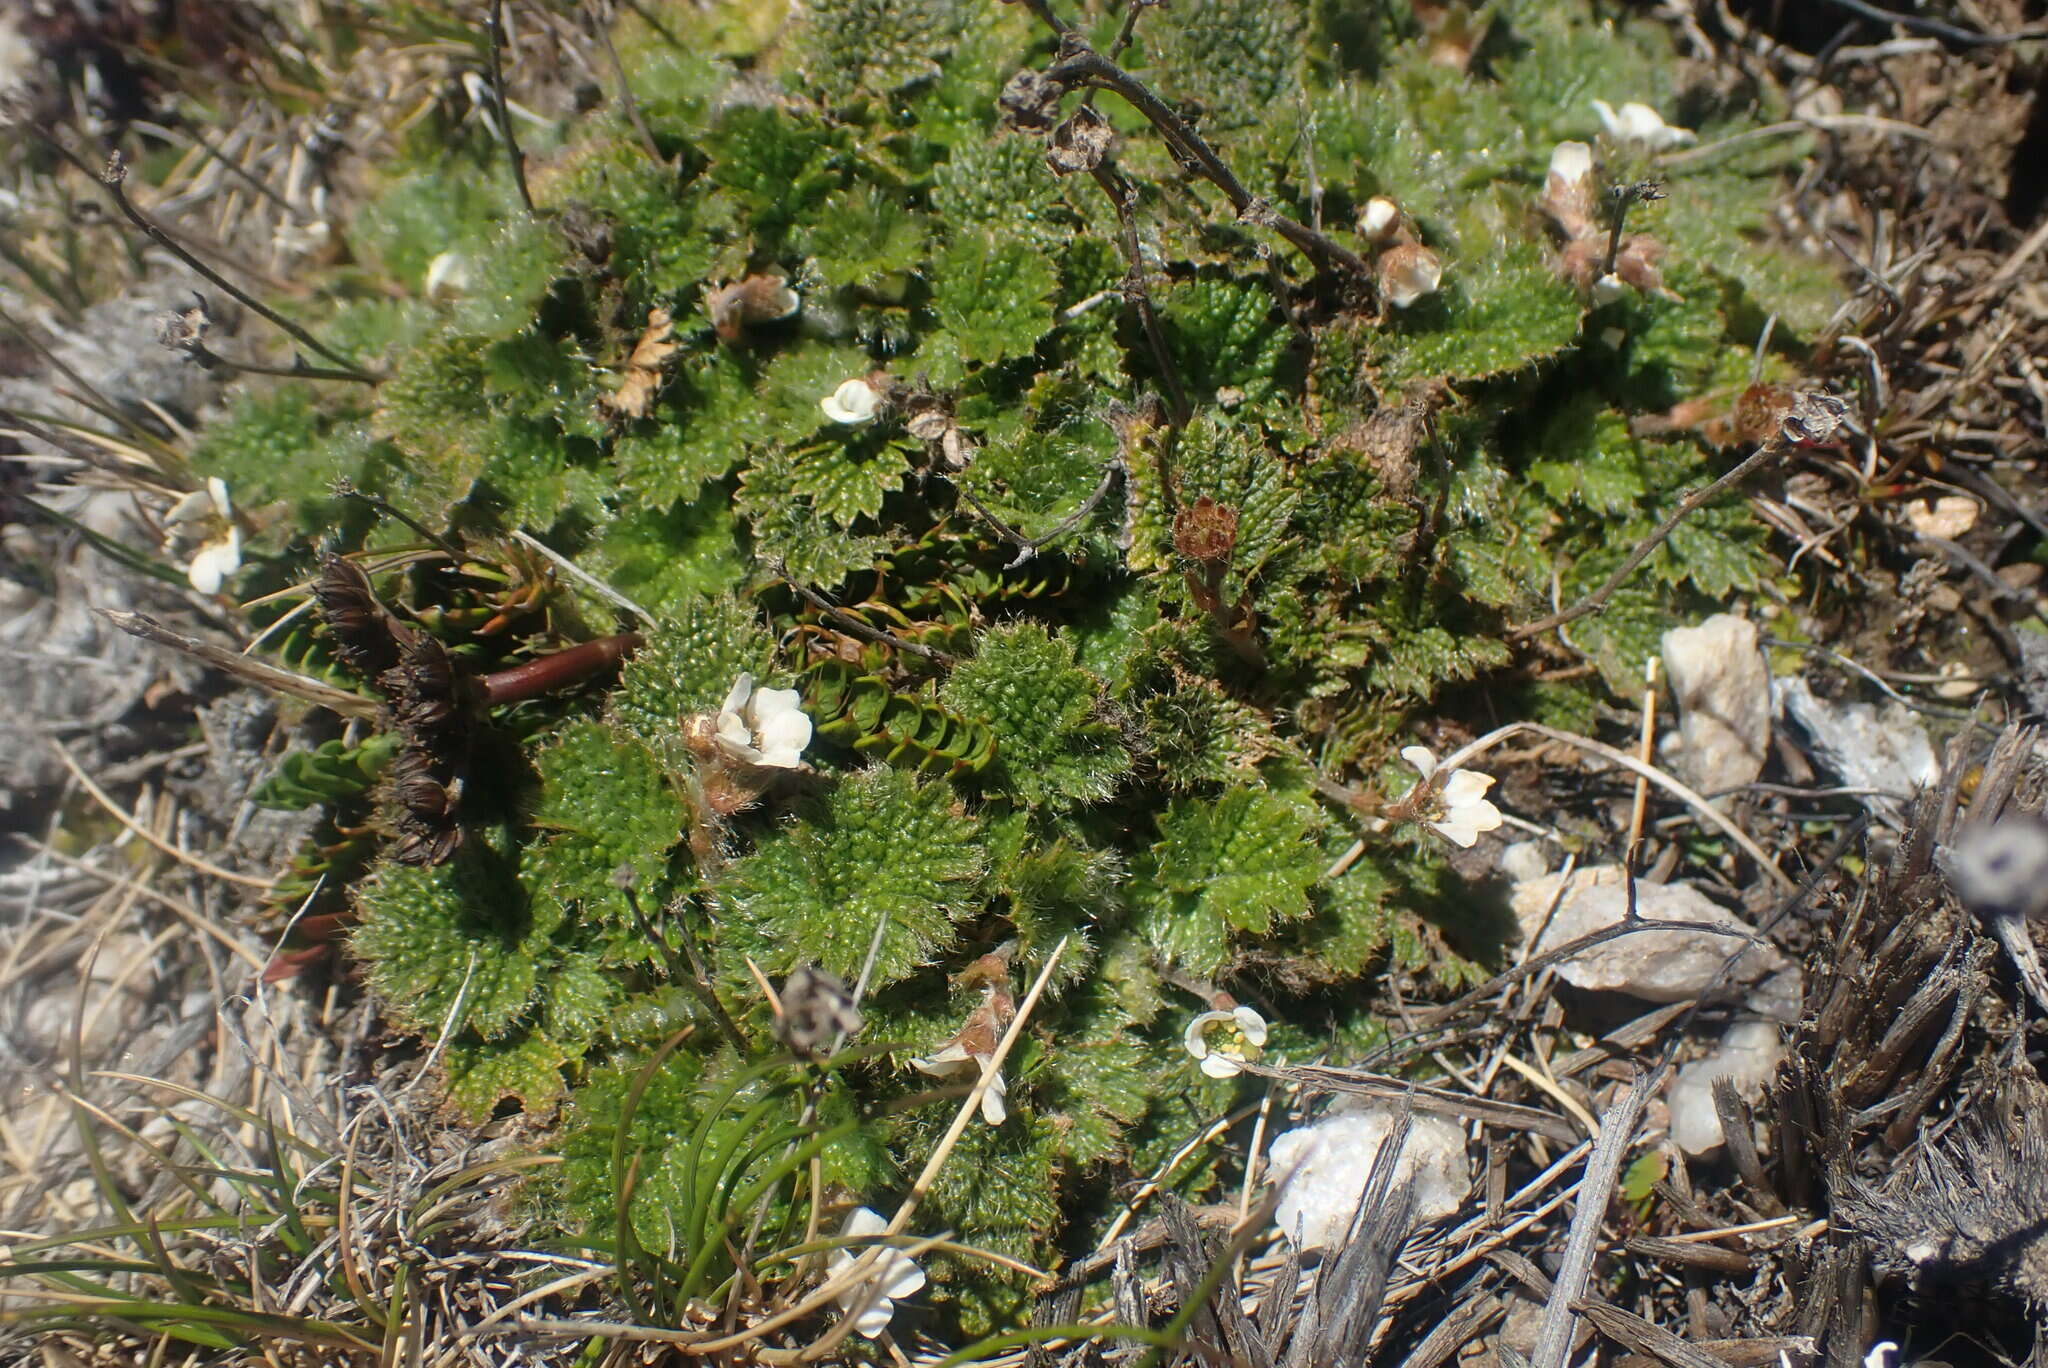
1409, 273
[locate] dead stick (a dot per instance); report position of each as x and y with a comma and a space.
1597, 600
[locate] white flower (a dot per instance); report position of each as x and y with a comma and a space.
855, 401
1240, 1032
1607, 289
872, 1299
957, 1058
1461, 795
764, 727
215, 562
1409, 273
1379, 219
191, 518
1637, 125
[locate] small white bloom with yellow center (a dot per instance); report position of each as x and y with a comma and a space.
871, 1299
764, 727
1461, 809
1224, 1042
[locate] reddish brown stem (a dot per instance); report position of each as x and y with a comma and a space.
550, 672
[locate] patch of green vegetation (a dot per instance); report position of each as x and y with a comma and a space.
1135, 563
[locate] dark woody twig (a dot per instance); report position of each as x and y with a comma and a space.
1027, 547
852, 622
297, 370
113, 177
1082, 66
494, 37
1597, 600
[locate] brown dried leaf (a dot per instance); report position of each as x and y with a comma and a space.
643, 368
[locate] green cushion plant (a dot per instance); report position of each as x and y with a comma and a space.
1167, 528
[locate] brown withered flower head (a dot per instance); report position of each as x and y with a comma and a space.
817, 1009
1080, 143
1205, 531
761, 298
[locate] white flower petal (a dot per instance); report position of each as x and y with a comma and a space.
190, 508
1571, 162
1456, 830
1461, 825
862, 1221
906, 1277
783, 741
1251, 1023
1607, 289
215, 562
1221, 1066
737, 699
875, 1319
892, 1274
995, 1107
217, 490
1479, 816
946, 1062
1421, 758
1465, 786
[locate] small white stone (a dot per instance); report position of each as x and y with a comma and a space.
1524, 860
1323, 1169
1748, 1057
1947, 517
1723, 690
1655, 966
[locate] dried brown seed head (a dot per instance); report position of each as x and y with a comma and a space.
1205, 531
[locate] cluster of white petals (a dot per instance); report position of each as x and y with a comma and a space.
764, 727
855, 401
1461, 794
871, 1299
1637, 125
1223, 1042
208, 516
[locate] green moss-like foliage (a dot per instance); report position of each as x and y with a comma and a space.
1051, 744
884, 861
1083, 667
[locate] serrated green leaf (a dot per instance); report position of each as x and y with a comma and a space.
463, 931
605, 806
480, 1075
993, 295
1051, 744
879, 850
